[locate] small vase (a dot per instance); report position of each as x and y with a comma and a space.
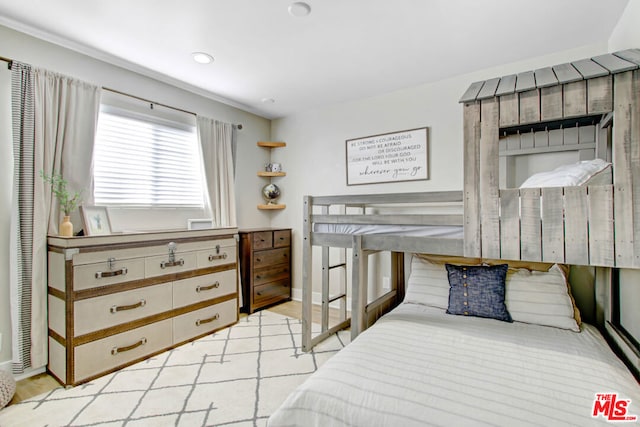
66, 228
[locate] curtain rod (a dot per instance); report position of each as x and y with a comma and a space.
9, 61
239, 126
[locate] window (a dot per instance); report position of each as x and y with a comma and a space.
143, 160
625, 294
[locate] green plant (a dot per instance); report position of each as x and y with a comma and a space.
68, 202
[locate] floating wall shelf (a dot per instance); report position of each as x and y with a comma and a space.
267, 174
271, 174
271, 207
271, 144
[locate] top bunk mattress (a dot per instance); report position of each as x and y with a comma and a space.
448, 231
420, 366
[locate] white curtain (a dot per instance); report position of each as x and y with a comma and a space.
216, 140
54, 121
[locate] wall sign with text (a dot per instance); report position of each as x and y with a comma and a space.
390, 157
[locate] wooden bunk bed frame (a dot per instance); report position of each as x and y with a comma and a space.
586, 225
363, 245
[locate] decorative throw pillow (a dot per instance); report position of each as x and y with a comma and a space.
478, 290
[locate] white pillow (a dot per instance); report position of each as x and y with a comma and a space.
428, 284
566, 175
541, 298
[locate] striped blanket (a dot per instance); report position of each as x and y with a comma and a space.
419, 366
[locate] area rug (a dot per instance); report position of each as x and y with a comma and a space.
235, 377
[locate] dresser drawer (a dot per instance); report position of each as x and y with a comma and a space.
201, 288
216, 256
271, 292
262, 240
281, 238
199, 322
160, 265
270, 257
107, 273
111, 352
270, 274
109, 310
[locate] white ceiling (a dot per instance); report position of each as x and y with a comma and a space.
344, 50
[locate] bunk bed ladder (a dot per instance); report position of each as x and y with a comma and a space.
341, 295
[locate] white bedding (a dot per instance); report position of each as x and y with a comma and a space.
450, 231
420, 366
586, 172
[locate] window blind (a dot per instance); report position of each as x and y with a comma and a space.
140, 161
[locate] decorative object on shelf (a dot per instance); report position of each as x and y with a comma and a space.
271, 193
68, 203
96, 220
273, 167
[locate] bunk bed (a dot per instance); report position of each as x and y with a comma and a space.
549, 110
419, 364
365, 228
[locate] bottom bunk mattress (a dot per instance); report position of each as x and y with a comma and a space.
419, 366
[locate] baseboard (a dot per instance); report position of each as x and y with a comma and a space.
316, 299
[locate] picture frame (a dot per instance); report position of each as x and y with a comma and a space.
389, 157
200, 224
95, 220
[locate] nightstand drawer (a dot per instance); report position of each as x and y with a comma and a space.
271, 257
271, 292
199, 322
99, 356
202, 288
271, 274
281, 238
109, 310
262, 240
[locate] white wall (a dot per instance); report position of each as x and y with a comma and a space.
626, 35
39, 53
315, 155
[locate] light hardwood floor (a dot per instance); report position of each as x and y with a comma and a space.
42, 383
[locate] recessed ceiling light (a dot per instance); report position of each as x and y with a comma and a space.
268, 100
202, 58
299, 9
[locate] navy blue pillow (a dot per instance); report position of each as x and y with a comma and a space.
478, 290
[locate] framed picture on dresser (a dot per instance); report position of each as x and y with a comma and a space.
96, 220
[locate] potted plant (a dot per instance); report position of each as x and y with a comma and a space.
68, 202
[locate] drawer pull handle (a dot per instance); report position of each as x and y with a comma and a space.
209, 320
207, 288
100, 274
116, 350
178, 263
116, 308
215, 257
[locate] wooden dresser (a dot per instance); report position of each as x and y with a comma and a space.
118, 299
265, 265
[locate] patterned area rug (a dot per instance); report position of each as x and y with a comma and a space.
235, 377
